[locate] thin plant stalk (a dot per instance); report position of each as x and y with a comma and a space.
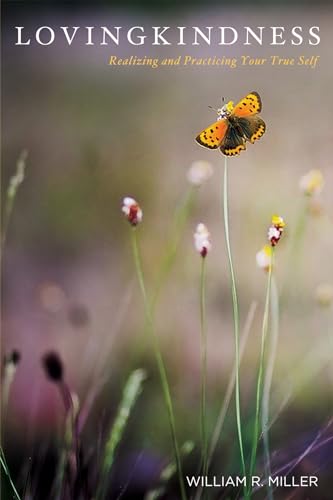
159, 361
70, 438
265, 416
168, 472
235, 314
5, 468
295, 245
203, 334
231, 385
314, 445
131, 392
14, 184
181, 217
264, 331
228, 395
312, 371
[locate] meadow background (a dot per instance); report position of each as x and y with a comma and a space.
95, 134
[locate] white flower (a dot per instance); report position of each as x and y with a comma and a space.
275, 230
273, 234
264, 258
132, 210
199, 172
202, 241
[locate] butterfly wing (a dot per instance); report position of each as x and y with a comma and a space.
249, 105
252, 127
230, 134
212, 136
233, 143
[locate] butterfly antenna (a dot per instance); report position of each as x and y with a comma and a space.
211, 107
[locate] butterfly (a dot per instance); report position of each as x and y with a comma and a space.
235, 126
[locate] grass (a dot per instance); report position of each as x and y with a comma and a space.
160, 363
258, 400
5, 469
265, 413
203, 335
131, 392
10, 197
197, 452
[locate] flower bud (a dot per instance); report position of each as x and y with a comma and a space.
199, 172
275, 230
311, 183
264, 258
53, 366
132, 211
202, 241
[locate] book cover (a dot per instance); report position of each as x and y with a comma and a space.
166, 241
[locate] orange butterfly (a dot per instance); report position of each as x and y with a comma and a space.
235, 126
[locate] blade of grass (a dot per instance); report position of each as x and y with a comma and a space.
268, 382
168, 472
294, 253
14, 184
315, 444
264, 332
311, 365
228, 395
7, 473
180, 219
132, 390
231, 385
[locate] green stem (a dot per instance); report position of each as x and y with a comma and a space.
235, 313
203, 334
228, 394
268, 382
261, 368
294, 253
14, 184
159, 361
131, 393
181, 217
231, 384
6, 471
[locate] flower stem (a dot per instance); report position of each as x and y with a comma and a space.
228, 394
261, 368
268, 382
231, 384
5, 468
159, 361
235, 313
203, 334
291, 274
180, 219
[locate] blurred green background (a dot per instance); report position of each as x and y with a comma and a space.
95, 134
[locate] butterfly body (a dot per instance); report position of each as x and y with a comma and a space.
235, 126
